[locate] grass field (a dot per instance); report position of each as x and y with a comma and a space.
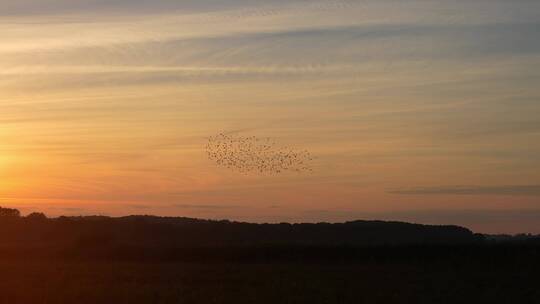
361, 282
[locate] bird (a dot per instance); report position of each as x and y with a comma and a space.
256, 155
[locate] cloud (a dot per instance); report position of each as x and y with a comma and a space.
533, 190
204, 206
40, 7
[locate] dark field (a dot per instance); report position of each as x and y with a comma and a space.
143, 259
431, 280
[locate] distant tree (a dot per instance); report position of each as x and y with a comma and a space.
9, 213
64, 218
37, 216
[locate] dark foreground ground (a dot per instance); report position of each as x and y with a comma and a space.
145, 259
505, 275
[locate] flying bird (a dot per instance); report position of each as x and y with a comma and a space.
256, 154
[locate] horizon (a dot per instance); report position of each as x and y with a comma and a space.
274, 111
41, 216
399, 219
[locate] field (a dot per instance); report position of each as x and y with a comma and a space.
142, 259
371, 281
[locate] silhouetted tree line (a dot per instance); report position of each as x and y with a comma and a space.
150, 236
9, 213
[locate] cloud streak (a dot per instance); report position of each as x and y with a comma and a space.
533, 190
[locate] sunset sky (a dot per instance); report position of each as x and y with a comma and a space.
422, 111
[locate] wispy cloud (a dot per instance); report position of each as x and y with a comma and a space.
472, 190
205, 206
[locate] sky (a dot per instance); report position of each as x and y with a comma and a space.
421, 111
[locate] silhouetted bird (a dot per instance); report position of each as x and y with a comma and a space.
253, 154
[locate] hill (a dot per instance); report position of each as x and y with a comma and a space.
176, 236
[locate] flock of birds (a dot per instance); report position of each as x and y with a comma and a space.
256, 155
